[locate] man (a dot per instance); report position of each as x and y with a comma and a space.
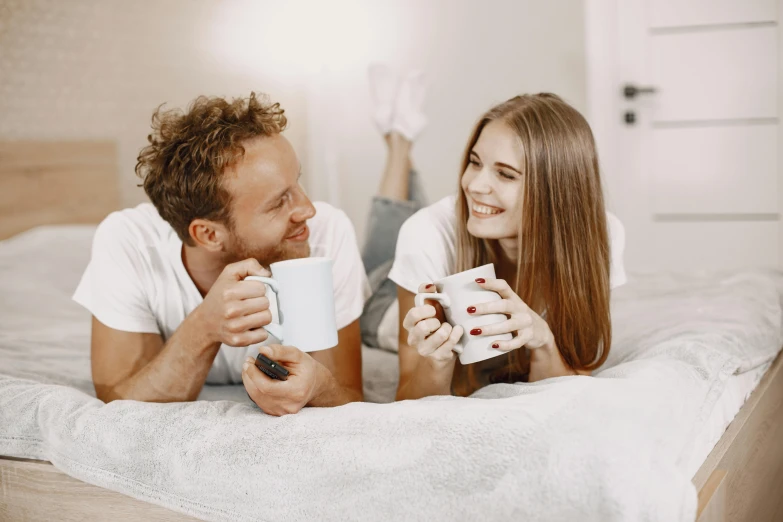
165, 285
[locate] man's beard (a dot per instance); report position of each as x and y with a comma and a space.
266, 256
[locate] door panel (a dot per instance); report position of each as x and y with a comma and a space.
715, 170
715, 75
678, 13
692, 168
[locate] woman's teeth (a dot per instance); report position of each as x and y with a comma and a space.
482, 209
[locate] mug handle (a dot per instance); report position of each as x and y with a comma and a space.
272, 328
444, 301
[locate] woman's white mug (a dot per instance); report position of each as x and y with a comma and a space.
456, 293
305, 303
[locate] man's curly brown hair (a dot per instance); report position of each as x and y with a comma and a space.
183, 164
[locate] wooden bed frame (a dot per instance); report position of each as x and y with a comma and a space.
48, 183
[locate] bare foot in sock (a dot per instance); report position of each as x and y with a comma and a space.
409, 119
384, 84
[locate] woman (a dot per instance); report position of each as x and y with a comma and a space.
530, 202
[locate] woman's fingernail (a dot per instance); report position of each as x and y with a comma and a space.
471, 309
245, 366
475, 331
428, 286
480, 280
495, 345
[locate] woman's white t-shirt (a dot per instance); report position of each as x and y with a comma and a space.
136, 281
427, 251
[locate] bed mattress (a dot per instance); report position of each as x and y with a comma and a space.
44, 335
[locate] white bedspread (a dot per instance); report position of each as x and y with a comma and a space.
612, 447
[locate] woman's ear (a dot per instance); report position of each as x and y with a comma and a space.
209, 235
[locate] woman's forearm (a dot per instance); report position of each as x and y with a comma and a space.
428, 378
546, 362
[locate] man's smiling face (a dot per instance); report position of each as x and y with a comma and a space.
269, 209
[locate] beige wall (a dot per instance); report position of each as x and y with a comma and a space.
97, 68
477, 53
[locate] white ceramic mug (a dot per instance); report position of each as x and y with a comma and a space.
305, 303
455, 294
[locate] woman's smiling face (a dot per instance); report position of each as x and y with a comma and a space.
492, 183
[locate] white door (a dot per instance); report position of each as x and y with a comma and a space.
683, 99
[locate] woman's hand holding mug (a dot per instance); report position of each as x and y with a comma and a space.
529, 328
458, 294
432, 338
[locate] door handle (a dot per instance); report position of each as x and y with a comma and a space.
631, 91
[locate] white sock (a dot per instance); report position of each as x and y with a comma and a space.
384, 84
409, 119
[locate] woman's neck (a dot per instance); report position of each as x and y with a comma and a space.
509, 250
506, 267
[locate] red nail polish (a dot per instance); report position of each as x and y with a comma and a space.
471, 309
495, 345
480, 280
475, 331
428, 286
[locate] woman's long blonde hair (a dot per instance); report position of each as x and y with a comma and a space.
563, 245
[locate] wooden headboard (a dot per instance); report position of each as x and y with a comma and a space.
43, 183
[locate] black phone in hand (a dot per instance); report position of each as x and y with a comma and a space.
272, 369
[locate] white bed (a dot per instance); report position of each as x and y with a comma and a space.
39, 270
738, 389
44, 336
713, 335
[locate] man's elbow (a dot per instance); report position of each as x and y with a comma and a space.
107, 394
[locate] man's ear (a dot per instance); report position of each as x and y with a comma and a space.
210, 235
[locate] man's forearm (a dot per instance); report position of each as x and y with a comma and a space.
177, 373
332, 393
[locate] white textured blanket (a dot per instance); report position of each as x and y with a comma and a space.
603, 448
576, 448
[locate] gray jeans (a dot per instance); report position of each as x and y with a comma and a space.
386, 219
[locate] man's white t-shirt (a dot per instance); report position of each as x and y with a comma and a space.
136, 281
427, 251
